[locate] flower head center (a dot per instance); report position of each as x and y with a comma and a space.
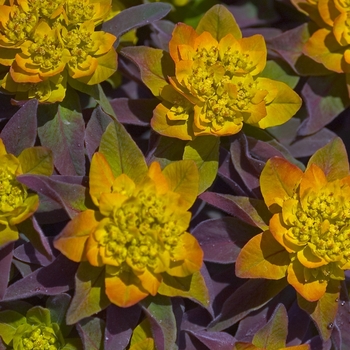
139, 230
79, 11
12, 193
20, 24
323, 223
46, 52
40, 338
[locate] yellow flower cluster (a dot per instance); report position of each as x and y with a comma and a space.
46, 43
330, 43
40, 337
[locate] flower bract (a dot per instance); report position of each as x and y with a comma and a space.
309, 234
138, 233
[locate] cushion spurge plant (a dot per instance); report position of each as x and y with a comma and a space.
16, 202
308, 240
212, 83
138, 234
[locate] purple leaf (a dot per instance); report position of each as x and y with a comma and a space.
56, 278
31, 229
325, 98
248, 297
95, 127
70, 196
252, 211
61, 129
222, 239
135, 17
164, 30
300, 146
20, 131
136, 112
229, 174
28, 254
215, 340
119, 326
6, 254
91, 332
195, 319
248, 168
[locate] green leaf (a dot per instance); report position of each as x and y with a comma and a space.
274, 334
61, 129
332, 159
280, 70
219, 22
122, 153
183, 178
72, 344
141, 332
155, 66
205, 153
323, 311
39, 315
91, 331
9, 322
262, 257
192, 287
160, 314
36, 160
90, 296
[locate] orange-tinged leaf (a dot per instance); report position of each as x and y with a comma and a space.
124, 289
323, 48
314, 179
110, 202
262, 257
332, 159
283, 106
101, 177
310, 290
150, 281
180, 129
183, 34
310, 260
71, 241
219, 22
161, 182
278, 181
183, 178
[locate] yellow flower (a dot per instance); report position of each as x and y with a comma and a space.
309, 235
42, 56
92, 56
138, 234
216, 85
16, 204
330, 43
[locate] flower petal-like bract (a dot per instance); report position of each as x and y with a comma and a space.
311, 222
138, 233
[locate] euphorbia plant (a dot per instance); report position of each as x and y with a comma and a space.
210, 83
308, 239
